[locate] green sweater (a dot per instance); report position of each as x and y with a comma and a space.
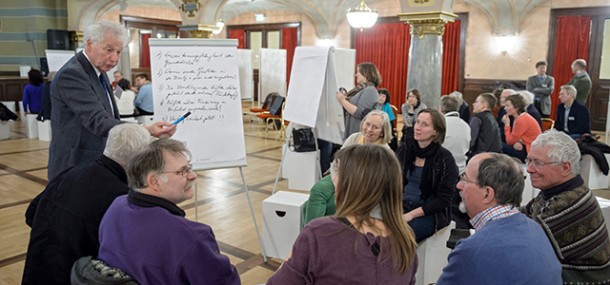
582, 83
321, 200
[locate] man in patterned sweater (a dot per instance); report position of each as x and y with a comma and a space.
567, 210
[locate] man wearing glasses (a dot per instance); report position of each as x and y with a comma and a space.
146, 234
568, 210
506, 241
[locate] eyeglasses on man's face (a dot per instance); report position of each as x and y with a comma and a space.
464, 179
537, 163
184, 171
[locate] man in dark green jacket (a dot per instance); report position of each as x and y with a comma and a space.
581, 81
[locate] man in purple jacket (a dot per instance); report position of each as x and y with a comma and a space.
145, 233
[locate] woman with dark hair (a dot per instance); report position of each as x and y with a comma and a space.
412, 107
384, 103
32, 93
366, 242
362, 99
125, 103
524, 131
430, 175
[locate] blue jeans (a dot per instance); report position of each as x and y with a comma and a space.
423, 227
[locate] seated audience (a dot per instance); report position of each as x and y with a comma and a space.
374, 129
430, 175
125, 103
542, 85
65, 217
144, 99
528, 97
572, 117
32, 92
118, 75
463, 106
384, 105
506, 241
501, 112
525, 128
366, 242
568, 210
457, 138
410, 110
146, 234
484, 131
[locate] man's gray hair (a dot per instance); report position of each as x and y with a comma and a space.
503, 174
569, 88
96, 31
528, 97
449, 104
561, 148
458, 95
124, 141
151, 160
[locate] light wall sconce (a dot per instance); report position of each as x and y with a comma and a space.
361, 17
219, 26
259, 17
506, 44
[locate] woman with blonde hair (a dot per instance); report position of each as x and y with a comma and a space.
366, 242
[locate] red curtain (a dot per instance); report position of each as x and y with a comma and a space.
290, 40
387, 46
238, 34
572, 42
451, 57
145, 51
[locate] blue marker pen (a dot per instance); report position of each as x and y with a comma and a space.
181, 118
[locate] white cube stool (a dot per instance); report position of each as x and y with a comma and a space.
432, 255
604, 204
5, 130
591, 174
21, 112
10, 105
282, 222
32, 125
44, 131
145, 120
302, 169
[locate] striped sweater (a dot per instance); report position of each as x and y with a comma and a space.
574, 223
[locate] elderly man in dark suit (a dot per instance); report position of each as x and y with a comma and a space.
542, 86
84, 109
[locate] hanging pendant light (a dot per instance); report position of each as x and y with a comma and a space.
361, 17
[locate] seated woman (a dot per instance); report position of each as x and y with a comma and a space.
374, 129
410, 110
32, 92
384, 105
125, 103
525, 128
430, 175
366, 233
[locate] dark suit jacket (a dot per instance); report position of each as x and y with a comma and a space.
542, 91
65, 219
81, 115
579, 120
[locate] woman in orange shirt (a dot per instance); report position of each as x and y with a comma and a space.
524, 131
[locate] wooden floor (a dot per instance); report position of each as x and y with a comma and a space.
221, 201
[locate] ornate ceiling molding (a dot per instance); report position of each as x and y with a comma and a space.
505, 16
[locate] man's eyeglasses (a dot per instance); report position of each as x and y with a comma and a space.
182, 172
464, 179
537, 163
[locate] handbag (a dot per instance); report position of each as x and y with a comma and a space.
303, 140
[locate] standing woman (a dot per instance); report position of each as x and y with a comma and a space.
430, 175
32, 93
410, 110
525, 128
366, 242
362, 99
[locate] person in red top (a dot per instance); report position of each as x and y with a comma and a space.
525, 128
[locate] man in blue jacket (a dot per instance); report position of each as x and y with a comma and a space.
506, 241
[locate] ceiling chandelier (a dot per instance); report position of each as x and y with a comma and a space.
361, 17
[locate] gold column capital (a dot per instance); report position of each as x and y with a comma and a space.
423, 23
196, 31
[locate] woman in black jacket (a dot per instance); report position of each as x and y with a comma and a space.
430, 175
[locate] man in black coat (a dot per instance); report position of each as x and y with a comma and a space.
65, 217
572, 117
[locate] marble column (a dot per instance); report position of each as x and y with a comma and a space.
426, 54
196, 31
